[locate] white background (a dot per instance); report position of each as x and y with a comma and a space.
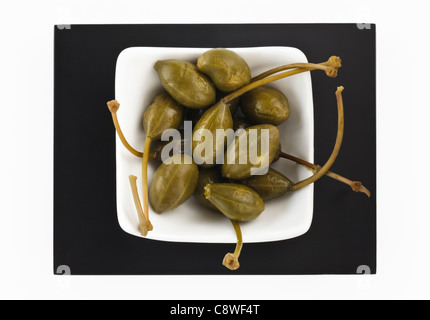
26, 206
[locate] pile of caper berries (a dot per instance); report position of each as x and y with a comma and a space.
218, 92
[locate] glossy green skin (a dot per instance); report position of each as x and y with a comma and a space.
173, 184
243, 123
226, 68
238, 171
164, 113
194, 115
207, 176
185, 83
237, 202
216, 117
271, 185
265, 105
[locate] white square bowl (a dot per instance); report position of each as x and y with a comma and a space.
287, 217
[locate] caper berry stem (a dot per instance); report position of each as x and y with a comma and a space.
143, 225
113, 108
238, 231
356, 186
279, 69
324, 169
236, 94
231, 260
325, 66
330, 67
148, 141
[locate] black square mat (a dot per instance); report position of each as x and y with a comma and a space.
87, 237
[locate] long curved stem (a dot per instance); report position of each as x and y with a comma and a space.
330, 67
231, 260
321, 66
239, 245
148, 141
356, 186
143, 226
113, 108
336, 149
262, 82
